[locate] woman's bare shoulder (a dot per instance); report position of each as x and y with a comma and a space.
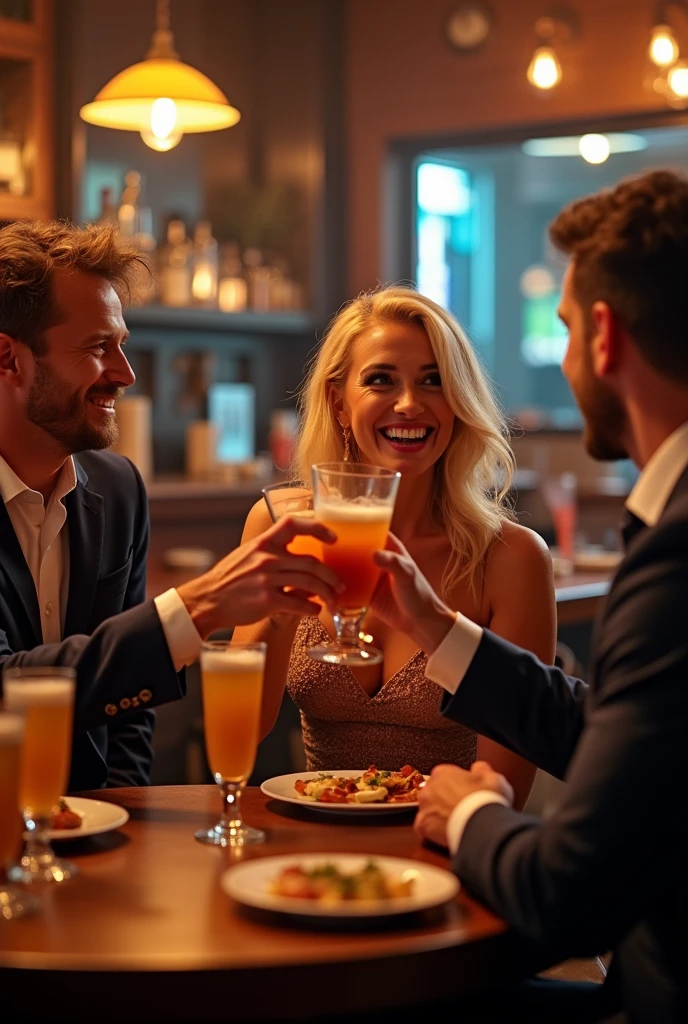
257, 521
517, 549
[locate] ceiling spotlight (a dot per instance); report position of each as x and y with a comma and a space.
663, 49
544, 70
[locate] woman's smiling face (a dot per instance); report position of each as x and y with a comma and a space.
392, 399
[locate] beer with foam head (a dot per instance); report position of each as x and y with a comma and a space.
11, 735
47, 705
232, 682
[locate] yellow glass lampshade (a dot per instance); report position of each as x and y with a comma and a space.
161, 97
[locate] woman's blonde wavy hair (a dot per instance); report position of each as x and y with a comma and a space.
473, 476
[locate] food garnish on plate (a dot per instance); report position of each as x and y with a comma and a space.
328, 884
373, 786
64, 817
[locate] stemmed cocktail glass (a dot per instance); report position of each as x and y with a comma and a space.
232, 684
44, 696
13, 902
356, 502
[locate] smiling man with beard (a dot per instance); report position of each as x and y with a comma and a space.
607, 869
74, 519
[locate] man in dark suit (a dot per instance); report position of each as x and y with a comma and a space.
608, 868
74, 519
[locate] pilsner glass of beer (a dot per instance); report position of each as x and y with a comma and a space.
45, 697
13, 902
232, 685
294, 498
356, 502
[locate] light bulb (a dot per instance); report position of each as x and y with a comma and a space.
677, 80
663, 46
544, 71
594, 148
162, 134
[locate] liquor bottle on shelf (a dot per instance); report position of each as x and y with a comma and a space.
128, 212
233, 290
258, 277
176, 267
108, 210
144, 286
205, 266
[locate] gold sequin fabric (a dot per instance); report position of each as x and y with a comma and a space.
343, 727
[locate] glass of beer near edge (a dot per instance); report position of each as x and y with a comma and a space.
14, 903
232, 686
44, 695
356, 502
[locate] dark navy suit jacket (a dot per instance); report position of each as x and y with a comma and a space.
609, 869
112, 635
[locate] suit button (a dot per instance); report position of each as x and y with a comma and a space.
110, 709
125, 703
146, 695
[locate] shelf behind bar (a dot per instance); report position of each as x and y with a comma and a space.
192, 318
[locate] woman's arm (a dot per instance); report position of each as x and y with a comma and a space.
277, 633
519, 586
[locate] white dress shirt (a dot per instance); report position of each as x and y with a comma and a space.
450, 662
44, 541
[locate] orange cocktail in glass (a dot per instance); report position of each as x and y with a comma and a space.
45, 698
361, 531
356, 502
13, 902
232, 685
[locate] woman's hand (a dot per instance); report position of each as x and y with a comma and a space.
405, 600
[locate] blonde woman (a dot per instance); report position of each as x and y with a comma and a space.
396, 383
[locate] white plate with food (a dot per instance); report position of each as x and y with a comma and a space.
349, 790
339, 885
94, 817
596, 560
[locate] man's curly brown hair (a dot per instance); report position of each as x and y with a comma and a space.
629, 245
30, 251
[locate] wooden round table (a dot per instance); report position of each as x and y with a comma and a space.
146, 929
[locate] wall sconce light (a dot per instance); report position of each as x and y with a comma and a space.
663, 50
668, 75
559, 26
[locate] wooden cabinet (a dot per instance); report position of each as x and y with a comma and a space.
26, 100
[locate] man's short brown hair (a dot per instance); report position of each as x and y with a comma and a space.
630, 249
29, 253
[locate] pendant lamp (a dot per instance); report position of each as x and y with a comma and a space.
161, 97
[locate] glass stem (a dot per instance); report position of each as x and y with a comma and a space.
231, 805
38, 844
348, 627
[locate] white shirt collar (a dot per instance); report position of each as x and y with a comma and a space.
653, 487
11, 486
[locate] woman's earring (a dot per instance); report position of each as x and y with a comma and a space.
347, 445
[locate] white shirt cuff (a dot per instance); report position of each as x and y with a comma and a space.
183, 639
459, 817
450, 662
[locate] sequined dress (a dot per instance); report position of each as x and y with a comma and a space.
343, 727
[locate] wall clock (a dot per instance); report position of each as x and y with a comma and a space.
468, 26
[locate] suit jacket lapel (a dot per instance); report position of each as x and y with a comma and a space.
86, 522
13, 566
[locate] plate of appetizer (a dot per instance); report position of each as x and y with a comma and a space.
349, 790
339, 885
76, 817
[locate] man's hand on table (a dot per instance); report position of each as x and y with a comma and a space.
249, 583
405, 600
444, 791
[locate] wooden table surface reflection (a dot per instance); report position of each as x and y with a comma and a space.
146, 921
